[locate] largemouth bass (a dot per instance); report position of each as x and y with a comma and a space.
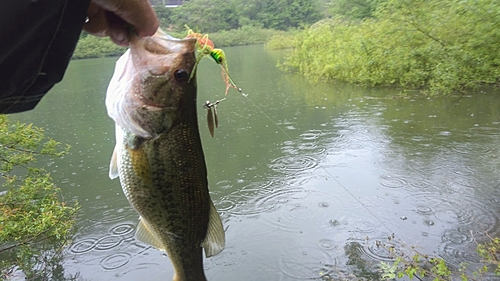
158, 155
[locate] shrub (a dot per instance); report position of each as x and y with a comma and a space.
439, 46
34, 224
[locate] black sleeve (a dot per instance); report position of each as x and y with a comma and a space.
37, 40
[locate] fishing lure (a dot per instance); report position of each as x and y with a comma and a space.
206, 47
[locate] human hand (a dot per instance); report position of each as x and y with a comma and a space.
113, 18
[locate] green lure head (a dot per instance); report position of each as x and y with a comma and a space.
218, 55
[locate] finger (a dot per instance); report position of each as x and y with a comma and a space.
144, 19
138, 13
118, 30
119, 35
97, 23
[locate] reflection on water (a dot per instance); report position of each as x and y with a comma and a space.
309, 179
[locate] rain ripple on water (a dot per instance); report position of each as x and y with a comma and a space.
293, 163
114, 251
306, 263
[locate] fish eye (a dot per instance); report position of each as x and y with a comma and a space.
181, 75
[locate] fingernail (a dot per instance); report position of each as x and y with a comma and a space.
120, 37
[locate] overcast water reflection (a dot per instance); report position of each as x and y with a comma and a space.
308, 178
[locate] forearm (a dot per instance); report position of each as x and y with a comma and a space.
37, 39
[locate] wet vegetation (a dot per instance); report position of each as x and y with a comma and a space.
412, 263
35, 224
436, 46
215, 15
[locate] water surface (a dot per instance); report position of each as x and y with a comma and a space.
309, 178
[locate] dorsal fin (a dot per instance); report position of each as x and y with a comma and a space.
215, 239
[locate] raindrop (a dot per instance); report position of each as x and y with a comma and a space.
334, 223
323, 205
428, 222
327, 244
424, 210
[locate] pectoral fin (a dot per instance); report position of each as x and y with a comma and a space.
140, 163
215, 240
146, 235
113, 166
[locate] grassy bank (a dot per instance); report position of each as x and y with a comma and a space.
96, 47
434, 46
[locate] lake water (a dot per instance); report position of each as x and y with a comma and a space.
309, 178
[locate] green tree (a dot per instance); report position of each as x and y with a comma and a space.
282, 14
164, 15
215, 15
207, 15
356, 9
34, 224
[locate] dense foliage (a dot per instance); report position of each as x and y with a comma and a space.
442, 46
34, 223
207, 15
245, 35
94, 47
358, 9
214, 15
